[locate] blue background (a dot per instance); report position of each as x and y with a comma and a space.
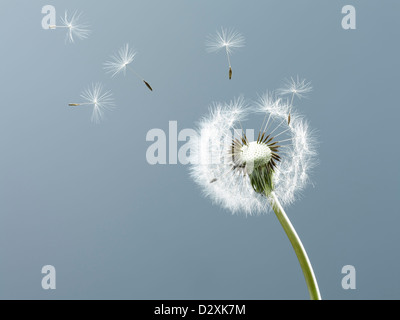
83, 198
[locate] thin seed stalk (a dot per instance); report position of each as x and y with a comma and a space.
301, 253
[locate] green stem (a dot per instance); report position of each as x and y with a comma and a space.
298, 248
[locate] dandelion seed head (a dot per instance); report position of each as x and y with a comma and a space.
228, 39
120, 60
75, 28
297, 87
230, 169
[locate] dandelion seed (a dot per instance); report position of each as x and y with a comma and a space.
120, 61
296, 87
227, 39
256, 176
74, 28
97, 97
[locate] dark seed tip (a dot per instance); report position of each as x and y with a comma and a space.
148, 85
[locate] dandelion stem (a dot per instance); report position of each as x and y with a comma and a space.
229, 62
227, 55
291, 102
79, 104
135, 73
140, 77
55, 27
298, 248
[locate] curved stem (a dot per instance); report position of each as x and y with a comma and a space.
298, 248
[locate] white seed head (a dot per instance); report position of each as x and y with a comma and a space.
256, 153
224, 169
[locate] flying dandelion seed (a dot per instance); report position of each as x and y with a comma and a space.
74, 28
99, 99
227, 39
121, 61
256, 176
295, 87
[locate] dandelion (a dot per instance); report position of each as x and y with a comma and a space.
74, 28
99, 99
120, 61
255, 175
227, 39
